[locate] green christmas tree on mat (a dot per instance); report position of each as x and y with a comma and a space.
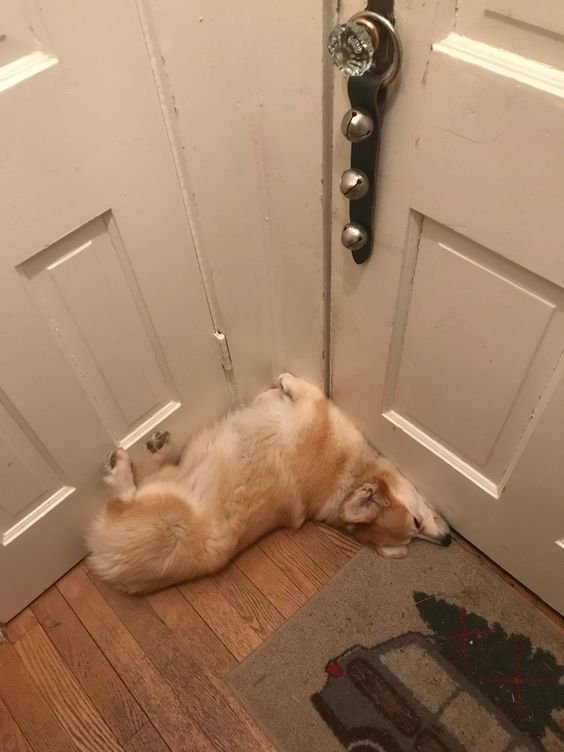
524, 682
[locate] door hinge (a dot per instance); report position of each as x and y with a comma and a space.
224, 354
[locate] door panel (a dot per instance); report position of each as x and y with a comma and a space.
106, 331
447, 345
493, 119
496, 332
28, 477
246, 99
533, 30
103, 328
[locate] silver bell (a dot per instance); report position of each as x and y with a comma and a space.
357, 125
354, 236
354, 184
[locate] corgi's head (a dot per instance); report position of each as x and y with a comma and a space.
387, 513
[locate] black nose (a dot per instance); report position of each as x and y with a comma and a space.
447, 540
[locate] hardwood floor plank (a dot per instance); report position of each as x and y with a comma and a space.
11, 738
20, 625
89, 665
206, 700
272, 582
166, 711
222, 618
92, 656
76, 714
89, 669
294, 562
28, 707
147, 739
255, 609
192, 631
201, 643
329, 548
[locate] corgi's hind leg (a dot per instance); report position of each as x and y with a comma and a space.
295, 389
156, 452
159, 446
118, 475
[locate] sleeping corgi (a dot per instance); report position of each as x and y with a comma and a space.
290, 456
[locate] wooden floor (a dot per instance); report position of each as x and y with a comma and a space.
86, 668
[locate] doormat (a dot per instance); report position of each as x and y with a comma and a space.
433, 653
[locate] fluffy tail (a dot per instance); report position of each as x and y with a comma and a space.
143, 545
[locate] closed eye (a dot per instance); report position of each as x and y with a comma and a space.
417, 523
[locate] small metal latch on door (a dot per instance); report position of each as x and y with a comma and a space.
368, 50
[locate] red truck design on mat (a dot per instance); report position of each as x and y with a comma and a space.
378, 699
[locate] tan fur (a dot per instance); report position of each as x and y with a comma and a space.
392, 528
288, 457
317, 461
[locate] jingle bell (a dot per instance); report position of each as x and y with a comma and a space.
357, 125
354, 184
354, 236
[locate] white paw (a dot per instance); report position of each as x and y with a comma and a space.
116, 460
158, 442
392, 552
287, 383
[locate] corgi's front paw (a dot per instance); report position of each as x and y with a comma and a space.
115, 459
158, 442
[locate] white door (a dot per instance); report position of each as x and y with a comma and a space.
106, 332
247, 85
448, 344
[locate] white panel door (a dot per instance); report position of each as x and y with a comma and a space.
246, 86
106, 332
448, 345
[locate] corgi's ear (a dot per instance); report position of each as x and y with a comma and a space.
365, 503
